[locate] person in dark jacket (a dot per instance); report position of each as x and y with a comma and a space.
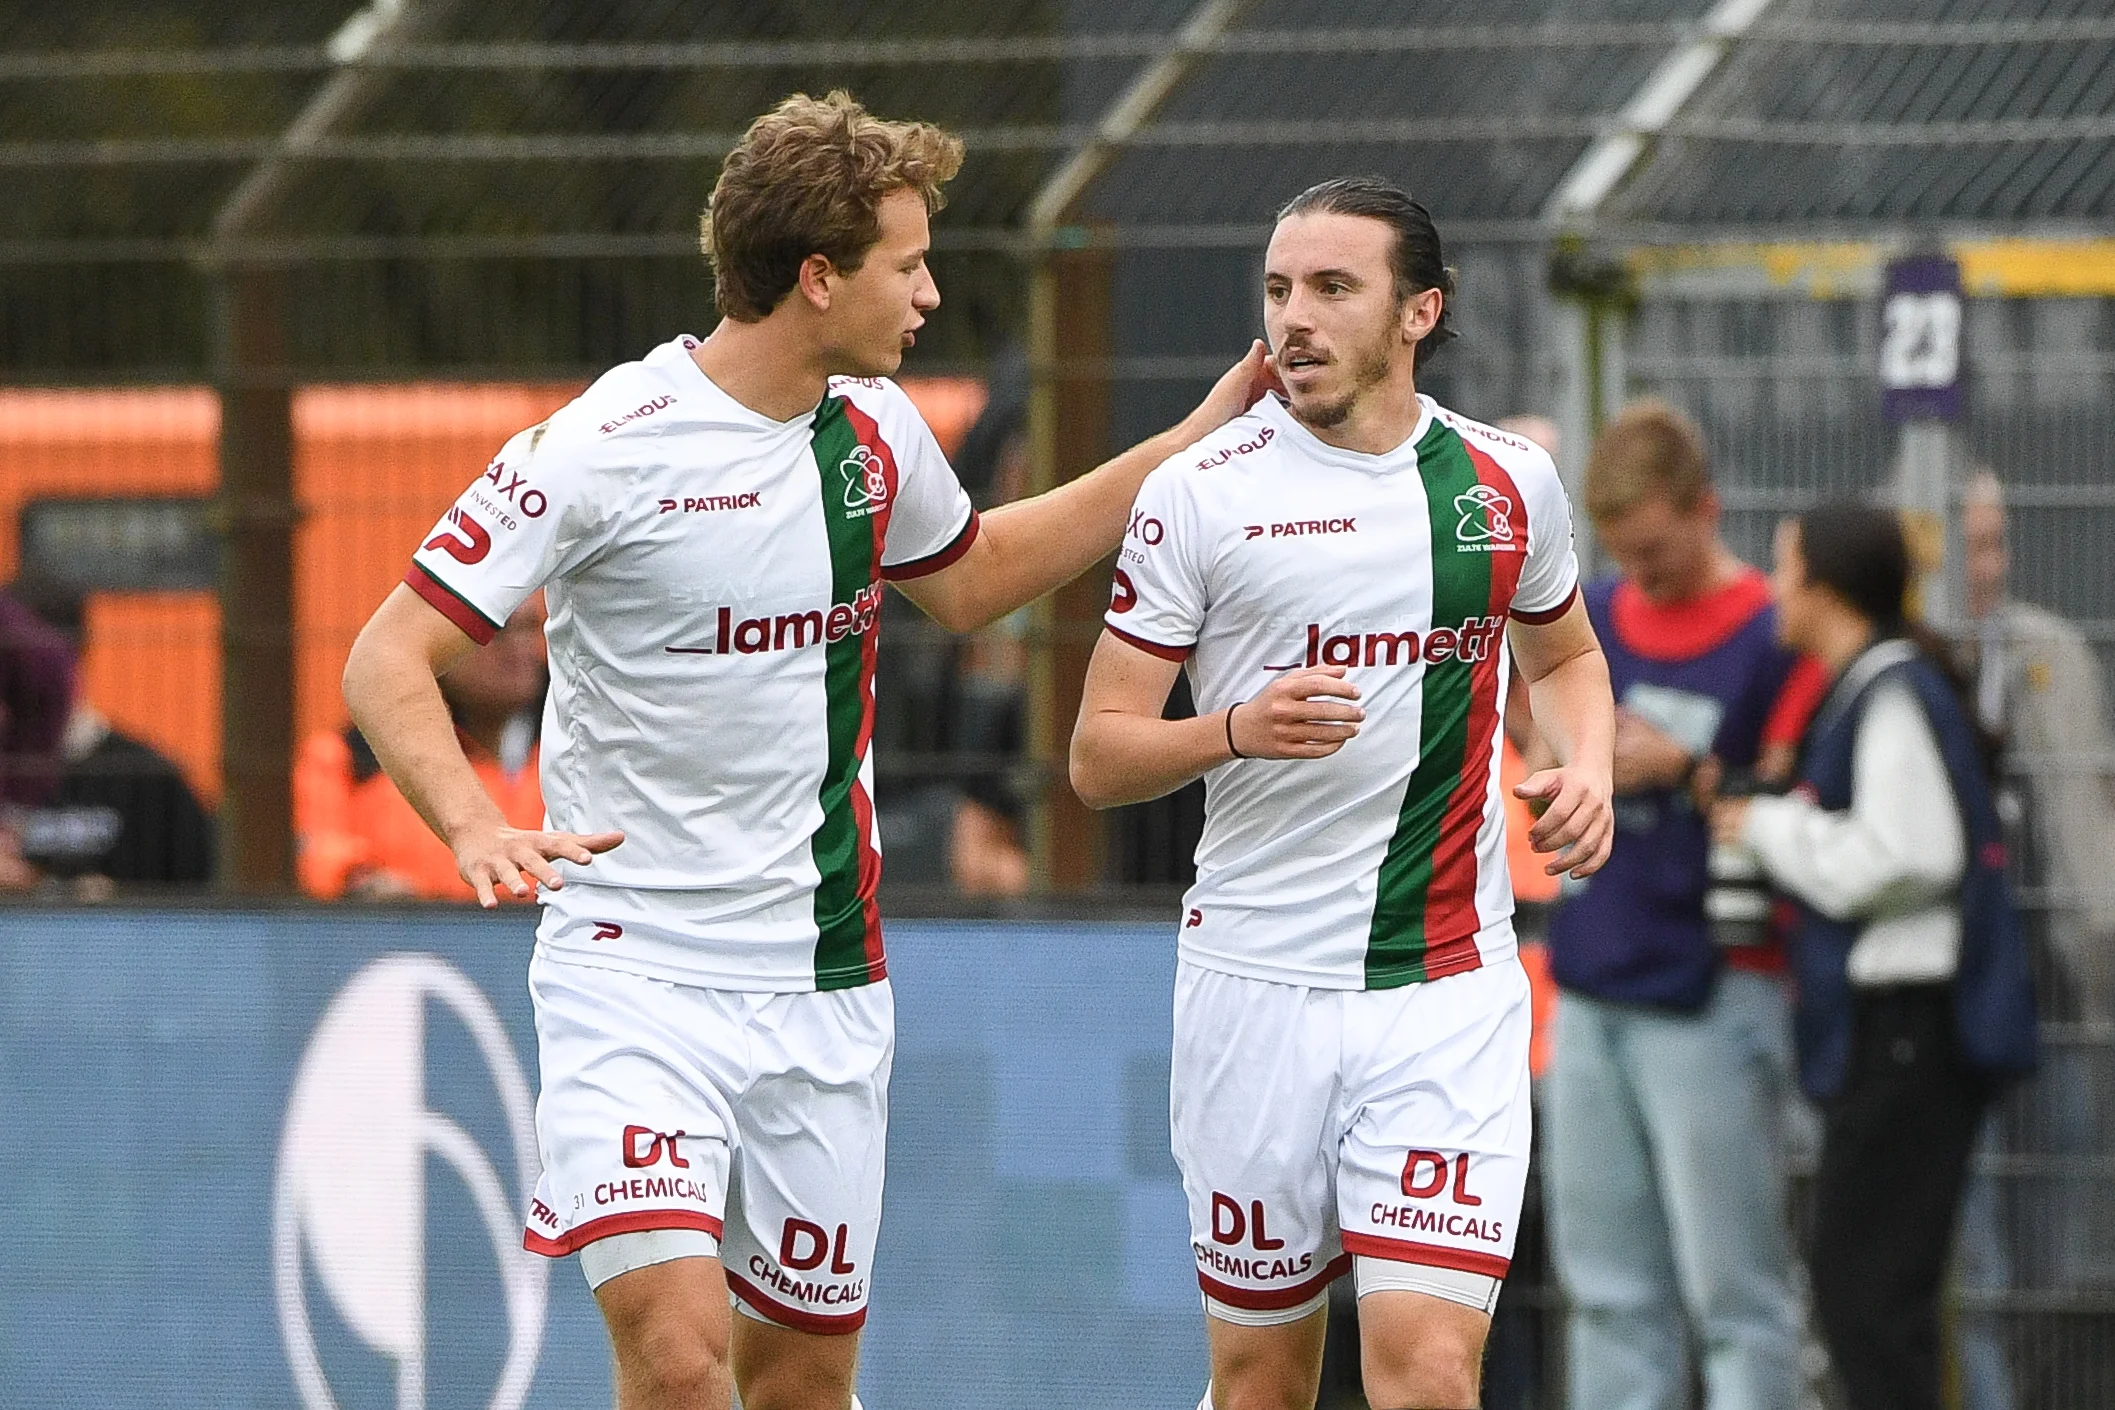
121, 814
1914, 996
1671, 1061
36, 693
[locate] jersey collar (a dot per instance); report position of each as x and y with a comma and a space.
1403, 457
674, 356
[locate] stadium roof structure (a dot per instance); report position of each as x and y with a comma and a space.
444, 149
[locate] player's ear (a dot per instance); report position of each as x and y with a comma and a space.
1420, 314
817, 275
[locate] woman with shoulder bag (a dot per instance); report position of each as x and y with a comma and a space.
1914, 998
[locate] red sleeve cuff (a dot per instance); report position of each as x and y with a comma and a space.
1543, 619
1151, 648
451, 604
934, 562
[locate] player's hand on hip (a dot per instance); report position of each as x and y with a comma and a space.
507, 858
1238, 388
1303, 714
1573, 818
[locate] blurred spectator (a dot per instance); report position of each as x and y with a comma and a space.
2039, 687
1665, 1173
1914, 991
123, 816
1539, 429
121, 813
988, 852
36, 694
987, 855
361, 840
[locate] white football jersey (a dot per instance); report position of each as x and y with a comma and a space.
714, 583
1262, 548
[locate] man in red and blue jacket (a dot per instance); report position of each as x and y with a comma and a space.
1671, 1065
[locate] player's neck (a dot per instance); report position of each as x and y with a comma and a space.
766, 366
1381, 419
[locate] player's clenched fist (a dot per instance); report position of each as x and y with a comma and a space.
495, 857
1303, 714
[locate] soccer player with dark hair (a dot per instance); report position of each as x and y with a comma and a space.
712, 526
1342, 573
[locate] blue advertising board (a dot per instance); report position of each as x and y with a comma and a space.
273, 1158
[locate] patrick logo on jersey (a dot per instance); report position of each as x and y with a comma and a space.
1474, 640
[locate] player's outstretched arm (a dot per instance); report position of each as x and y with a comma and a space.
1031, 546
1567, 679
1124, 752
391, 685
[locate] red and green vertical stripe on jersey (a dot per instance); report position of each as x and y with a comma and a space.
1424, 912
847, 918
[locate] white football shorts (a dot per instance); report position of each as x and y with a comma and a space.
1312, 1125
758, 1119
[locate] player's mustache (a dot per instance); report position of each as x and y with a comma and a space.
1293, 350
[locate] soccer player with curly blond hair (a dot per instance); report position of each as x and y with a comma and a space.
712, 526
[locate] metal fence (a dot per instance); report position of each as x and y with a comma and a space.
271, 197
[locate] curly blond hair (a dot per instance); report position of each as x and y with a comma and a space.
808, 178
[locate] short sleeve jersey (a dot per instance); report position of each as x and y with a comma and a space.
714, 585
1262, 549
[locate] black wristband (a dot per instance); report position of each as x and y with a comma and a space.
1230, 729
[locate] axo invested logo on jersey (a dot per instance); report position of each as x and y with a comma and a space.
866, 478
1486, 521
349, 1212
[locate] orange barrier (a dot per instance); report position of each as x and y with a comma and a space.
374, 466
1530, 881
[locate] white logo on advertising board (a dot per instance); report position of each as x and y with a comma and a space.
351, 1191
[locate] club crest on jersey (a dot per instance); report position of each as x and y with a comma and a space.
1486, 521
866, 482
